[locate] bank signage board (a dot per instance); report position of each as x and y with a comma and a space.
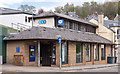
60, 22
60, 40
42, 22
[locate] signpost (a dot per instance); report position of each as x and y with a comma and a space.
60, 41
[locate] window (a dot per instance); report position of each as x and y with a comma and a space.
25, 18
54, 54
88, 52
79, 27
28, 20
79, 51
118, 31
83, 28
102, 52
96, 52
64, 53
71, 25
111, 50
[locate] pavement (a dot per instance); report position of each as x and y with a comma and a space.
13, 68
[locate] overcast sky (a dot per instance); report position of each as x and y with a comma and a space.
45, 4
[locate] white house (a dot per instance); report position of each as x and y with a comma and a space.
14, 18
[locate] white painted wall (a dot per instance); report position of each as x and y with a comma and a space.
14, 18
50, 22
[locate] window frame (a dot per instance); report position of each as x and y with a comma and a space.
26, 19
81, 57
89, 52
104, 55
96, 52
62, 52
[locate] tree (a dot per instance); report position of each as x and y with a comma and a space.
110, 9
40, 11
27, 8
59, 9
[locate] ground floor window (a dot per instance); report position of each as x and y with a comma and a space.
115, 53
54, 54
96, 52
65, 53
79, 51
102, 52
88, 52
111, 50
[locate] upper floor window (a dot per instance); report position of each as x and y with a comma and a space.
83, 29
79, 27
118, 33
25, 18
71, 25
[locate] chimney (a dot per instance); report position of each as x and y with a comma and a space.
101, 19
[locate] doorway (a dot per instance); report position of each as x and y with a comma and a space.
46, 53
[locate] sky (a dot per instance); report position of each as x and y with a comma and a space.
44, 4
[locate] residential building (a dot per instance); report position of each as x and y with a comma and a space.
108, 29
39, 45
15, 18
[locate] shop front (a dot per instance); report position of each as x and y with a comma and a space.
39, 47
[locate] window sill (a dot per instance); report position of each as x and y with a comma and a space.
88, 61
96, 60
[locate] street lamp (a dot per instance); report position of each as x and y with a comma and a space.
60, 41
32, 16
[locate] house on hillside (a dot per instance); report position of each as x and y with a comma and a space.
108, 29
15, 18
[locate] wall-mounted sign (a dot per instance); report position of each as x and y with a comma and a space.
42, 22
60, 22
60, 40
17, 49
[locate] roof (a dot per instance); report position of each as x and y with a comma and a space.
4, 11
111, 23
52, 14
117, 18
51, 34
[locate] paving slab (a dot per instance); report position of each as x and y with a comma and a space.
13, 68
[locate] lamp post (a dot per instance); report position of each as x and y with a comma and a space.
32, 16
60, 41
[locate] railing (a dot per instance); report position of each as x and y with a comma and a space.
20, 26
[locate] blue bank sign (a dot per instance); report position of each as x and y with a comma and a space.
60, 40
60, 22
42, 21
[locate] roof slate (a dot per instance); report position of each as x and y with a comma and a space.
4, 11
51, 33
47, 14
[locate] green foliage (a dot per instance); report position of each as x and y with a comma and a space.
10, 30
109, 9
27, 8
